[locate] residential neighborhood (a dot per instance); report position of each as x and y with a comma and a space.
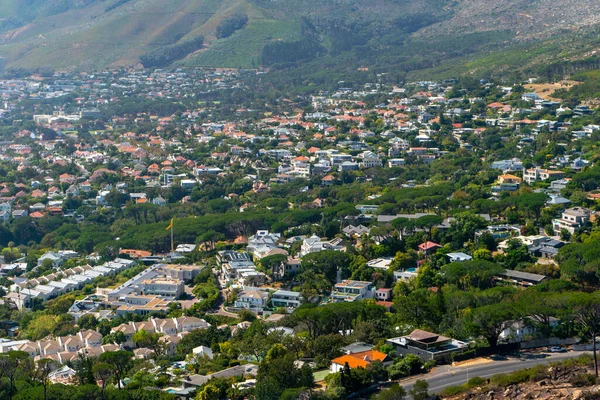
198, 239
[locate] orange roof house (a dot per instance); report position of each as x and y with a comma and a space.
429, 247
328, 180
360, 360
593, 196
508, 178
135, 253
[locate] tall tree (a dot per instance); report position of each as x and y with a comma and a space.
82, 366
492, 319
14, 364
43, 368
120, 361
103, 372
586, 308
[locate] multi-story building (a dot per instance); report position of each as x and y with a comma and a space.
289, 267
314, 244
572, 219
165, 287
62, 282
227, 256
171, 328
396, 162
253, 300
509, 178
251, 277
230, 271
183, 272
264, 244
369, 160
286, 298
349, 290
559, 184
532, 175
141, 305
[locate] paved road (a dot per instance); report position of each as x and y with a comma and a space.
442, 377
220, 306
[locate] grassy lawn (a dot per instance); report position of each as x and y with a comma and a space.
320, 375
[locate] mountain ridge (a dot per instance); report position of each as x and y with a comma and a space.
94, 34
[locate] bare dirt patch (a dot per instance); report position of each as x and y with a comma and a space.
546, 90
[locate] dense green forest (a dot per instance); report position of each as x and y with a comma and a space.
164, 56
228, 26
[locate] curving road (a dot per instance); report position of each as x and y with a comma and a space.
445, 376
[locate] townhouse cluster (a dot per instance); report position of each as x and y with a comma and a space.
171, 331
24, 291
64, 348
90, 343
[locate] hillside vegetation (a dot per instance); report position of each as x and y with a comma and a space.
439, 37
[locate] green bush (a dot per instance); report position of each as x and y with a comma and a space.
581, 380
513, 378
458, 389
454, 390
476, 381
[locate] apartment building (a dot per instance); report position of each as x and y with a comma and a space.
183, 272
164, 287
141, 305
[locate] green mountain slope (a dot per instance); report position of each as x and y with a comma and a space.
411, 35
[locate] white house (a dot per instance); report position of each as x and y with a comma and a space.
253, 300
572, 219
314, 244
521, 329
349, 290
203, 351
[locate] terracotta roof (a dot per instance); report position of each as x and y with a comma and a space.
428, 245
362, 359
508, 176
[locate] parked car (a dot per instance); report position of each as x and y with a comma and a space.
557, 349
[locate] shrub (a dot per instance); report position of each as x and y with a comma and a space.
476, 381
454, 390
458, 389
581, 380
513, 378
